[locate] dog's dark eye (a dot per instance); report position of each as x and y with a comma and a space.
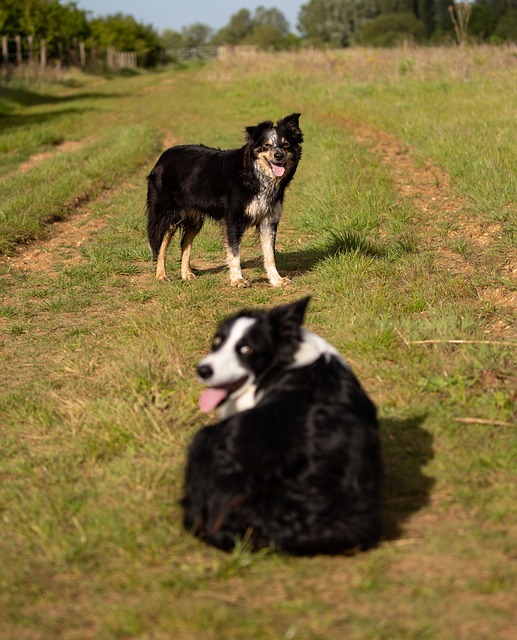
266, 146
244, 349
285, 145
217, 342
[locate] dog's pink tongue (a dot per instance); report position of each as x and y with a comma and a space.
278, 170
210, 398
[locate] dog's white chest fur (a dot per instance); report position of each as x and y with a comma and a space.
262, 207
265, 203
239, 402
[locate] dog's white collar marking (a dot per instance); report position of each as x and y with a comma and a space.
311, 348
241, 401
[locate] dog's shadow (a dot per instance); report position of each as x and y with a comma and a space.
407, 448
297, 263
302, 261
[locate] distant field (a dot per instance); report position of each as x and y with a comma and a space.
401, 225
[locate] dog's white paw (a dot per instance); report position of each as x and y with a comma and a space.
281, 282
241, 283
188, 275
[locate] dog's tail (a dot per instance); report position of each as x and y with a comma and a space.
158, 220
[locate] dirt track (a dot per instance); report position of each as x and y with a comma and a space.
427, 187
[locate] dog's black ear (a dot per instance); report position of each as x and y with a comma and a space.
288, 318
250, 131
293, 120
291, 128
253, 133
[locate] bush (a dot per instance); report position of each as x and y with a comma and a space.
482, 22
507, 27
392, 29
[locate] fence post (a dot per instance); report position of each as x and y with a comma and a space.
43, 54
31, 49
18, 41
82, 55
93, 58
5, 51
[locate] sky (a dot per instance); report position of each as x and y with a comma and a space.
176, 14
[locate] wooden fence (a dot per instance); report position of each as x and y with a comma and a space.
24, 51
212, 52
193, 53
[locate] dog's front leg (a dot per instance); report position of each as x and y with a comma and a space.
267, 230
233, 255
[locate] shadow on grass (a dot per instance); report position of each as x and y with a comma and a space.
289, 264
297, 263
28, 120
407, 448
27, 98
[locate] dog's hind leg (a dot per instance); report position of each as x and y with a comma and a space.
267, 231
162, 223
186, 246
162, 252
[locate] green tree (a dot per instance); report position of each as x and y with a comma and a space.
507, 27
61, 25
392, 29
428, 16
443, 25
273, 18
334, 22
483, 21
196, 35
267, 28
499, 7
124, 33
48, 19
171, 39
240, 26
270, 29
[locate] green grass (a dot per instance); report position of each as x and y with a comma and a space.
98, 396
68, 179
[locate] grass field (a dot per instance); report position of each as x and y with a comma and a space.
400, 224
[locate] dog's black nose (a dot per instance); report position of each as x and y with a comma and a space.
204, 371
279, 154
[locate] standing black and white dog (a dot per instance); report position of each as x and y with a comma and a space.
241, 188
295, 462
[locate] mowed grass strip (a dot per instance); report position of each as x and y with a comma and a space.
60, 184
99, 404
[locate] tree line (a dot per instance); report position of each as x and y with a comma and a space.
341, 23
63, 24
389, 22
332, 23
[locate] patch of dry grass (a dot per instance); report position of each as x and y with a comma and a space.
366, 65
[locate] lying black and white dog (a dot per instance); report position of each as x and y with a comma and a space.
295, 463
